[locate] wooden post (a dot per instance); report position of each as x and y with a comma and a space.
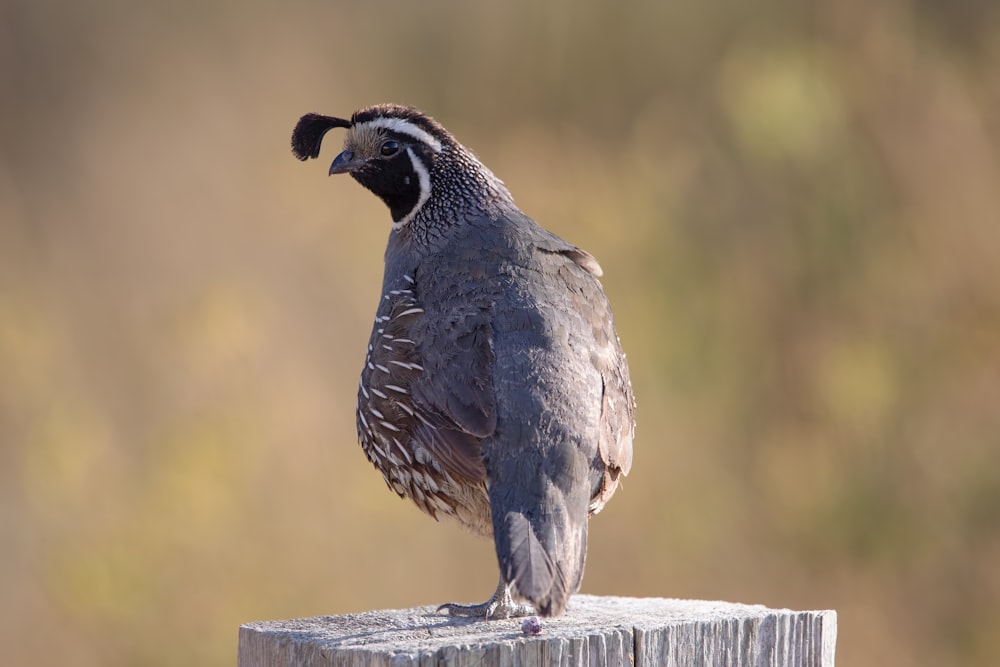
594, 631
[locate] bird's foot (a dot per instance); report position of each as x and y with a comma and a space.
501, 605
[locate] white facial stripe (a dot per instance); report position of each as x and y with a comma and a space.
404, 127
425, 188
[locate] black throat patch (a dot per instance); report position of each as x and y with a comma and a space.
397, 182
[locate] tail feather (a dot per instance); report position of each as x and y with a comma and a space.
531, 572
544, 570
539, 495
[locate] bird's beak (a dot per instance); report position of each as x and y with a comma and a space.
345, 163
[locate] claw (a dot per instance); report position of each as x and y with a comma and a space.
500, 605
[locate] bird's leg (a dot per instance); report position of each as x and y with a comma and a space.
501, 605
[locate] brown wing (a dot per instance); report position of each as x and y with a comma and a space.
617, 427
617, 422
454, 394
424, 408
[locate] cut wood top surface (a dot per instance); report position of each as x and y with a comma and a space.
595, 630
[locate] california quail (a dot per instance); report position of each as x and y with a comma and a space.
495, 389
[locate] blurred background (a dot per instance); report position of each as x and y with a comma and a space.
797, 208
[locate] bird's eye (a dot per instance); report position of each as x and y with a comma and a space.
389, 148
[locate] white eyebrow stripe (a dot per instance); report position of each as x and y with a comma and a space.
403, 126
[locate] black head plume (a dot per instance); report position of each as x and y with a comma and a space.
307, 137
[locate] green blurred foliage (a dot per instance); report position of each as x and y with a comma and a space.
797, 207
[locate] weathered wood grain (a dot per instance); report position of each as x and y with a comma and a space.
595, 631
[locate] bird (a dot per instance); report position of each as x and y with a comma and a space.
494, 390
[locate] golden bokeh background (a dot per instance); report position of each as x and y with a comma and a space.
797, 207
